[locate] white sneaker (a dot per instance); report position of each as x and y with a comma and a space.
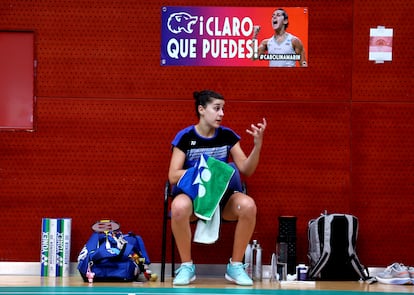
395, 274
411, 273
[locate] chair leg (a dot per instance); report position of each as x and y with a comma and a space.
164, 234
164, 249
172, 255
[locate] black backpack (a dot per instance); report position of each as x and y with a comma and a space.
332, 249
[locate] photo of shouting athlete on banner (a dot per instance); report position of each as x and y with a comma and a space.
283, 49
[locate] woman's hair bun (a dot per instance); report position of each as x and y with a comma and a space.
196, 94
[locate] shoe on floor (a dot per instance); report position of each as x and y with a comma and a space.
236, 273
184, 275
395, 274
411, 273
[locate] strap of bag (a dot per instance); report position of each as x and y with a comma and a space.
350, 219
359, 268
362, 271
326, 251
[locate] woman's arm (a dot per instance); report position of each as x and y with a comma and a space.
247, 165
176, 165
262, 48
299, 49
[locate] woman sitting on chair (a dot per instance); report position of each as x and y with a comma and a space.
210, 138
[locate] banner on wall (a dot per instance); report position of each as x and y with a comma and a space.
234, 36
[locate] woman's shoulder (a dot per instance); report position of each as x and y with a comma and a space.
184, 132
227, 130
186, 129
292, 37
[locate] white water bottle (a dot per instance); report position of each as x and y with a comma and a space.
258, 265
248, 259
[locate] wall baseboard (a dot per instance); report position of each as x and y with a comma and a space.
33, 269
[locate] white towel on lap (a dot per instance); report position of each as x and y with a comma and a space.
207, 231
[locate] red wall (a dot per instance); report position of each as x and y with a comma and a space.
339, 135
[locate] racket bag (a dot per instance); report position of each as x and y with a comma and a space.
112, 257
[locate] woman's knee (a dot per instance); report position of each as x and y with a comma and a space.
181, 207
242, 206
250, 206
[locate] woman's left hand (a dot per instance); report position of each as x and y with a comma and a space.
257, 132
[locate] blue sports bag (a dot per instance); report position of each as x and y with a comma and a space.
113, 257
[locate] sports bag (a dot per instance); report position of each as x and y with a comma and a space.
112, 256
332, 249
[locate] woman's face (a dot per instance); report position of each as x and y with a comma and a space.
213, 112
278, 20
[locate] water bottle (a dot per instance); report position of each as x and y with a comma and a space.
248, 259
274, 276
282, 251
258, 265
256, 259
